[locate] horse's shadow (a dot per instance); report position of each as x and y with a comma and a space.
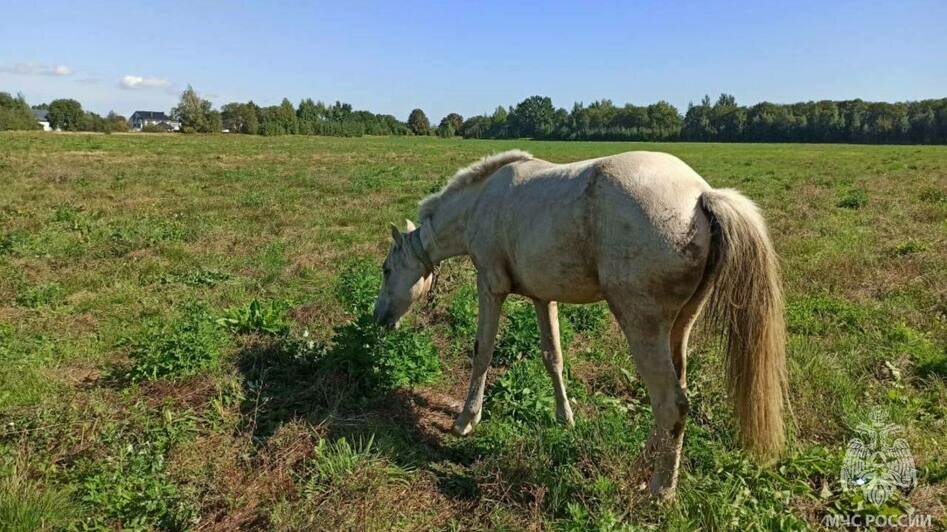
285, 384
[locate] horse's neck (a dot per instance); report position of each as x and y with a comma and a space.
445, 237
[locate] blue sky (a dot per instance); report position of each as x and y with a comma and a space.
469, 57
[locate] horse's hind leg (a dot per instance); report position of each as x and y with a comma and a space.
547, 313
680, 332
649, 336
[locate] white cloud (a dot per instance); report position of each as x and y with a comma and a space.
138, 82
36, 69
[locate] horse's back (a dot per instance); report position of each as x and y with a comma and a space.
562, 231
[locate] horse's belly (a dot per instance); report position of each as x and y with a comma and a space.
563, 280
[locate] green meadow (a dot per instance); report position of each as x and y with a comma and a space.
183, 345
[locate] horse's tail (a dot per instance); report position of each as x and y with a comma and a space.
746, 310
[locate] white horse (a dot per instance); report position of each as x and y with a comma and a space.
640, 230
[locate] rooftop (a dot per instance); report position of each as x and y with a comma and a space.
150, 115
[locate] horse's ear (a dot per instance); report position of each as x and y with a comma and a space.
410, 225
395, 235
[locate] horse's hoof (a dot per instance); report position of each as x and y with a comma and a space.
566, 418
464, 425
665, 495
661, 490
464, 430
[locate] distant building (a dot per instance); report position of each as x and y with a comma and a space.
42, 118
140, 119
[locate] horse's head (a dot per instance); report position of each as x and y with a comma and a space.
407, 276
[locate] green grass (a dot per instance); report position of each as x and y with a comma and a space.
179, 348
184, 344
26, 505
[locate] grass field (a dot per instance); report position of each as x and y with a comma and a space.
180, 344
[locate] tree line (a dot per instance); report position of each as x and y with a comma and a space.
198, 115
723, 120
308, 118
63, 114
855, 121
66, 114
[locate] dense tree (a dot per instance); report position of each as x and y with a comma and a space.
93, 122
923, 121
500, 115
286, 114
727, 118
310, 117
499, 122
475, 127
533, 117
270, 123
15, 113
665, 122
214, 122
450, 125
418, 123
196, 114
115, 123
445, 130
67, 115
279, 119
453, 120
252, 125
240, 117
697, 121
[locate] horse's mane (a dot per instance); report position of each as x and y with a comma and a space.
474, 173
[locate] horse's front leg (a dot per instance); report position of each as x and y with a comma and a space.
488, 320
547, 313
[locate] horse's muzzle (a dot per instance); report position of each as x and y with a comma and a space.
383, 318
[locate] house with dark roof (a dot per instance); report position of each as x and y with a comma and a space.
42, 118
140, 119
